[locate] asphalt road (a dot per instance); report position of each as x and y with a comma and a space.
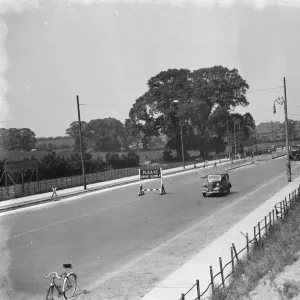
99, 233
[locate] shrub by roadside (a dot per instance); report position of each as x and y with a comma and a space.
116, 161
280, 248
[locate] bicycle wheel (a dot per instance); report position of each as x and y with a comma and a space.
49, 295
70, 285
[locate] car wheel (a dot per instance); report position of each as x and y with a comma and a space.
222, 192
204, 194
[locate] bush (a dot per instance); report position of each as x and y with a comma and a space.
167, 156
131, 159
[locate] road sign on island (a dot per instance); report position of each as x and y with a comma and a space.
151, 174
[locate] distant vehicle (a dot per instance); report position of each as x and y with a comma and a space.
216, 184
33, 150
295, 154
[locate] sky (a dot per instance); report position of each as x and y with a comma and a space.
106, 51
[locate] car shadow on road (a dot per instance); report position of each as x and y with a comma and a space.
219, 196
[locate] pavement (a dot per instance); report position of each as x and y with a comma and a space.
198, 267
36, 199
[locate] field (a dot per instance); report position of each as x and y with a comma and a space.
57, 142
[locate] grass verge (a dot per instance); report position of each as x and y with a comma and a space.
279, 248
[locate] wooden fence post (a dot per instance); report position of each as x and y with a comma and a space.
198, 289
212, 281
259, 234
247, 240
270, 220
222, 274
235, 253
280, 209
265, 225
232, 259
182, 296
273, 213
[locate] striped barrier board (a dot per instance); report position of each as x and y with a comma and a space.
151, 174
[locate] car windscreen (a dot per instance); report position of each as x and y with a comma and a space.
213, 177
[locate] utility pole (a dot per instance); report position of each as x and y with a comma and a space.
256, 140
228, 136
288, 162
81, 145
234, 139
182, 143
180, 119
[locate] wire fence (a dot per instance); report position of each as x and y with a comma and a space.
218, 280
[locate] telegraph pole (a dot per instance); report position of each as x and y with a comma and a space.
182, 143
288, 162
227, 135
81, 145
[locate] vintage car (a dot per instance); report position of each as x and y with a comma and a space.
295, 154
217, 184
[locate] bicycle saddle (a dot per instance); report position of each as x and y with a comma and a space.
67, 266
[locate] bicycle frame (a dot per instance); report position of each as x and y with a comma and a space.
54, 285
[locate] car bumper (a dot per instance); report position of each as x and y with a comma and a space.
211, 192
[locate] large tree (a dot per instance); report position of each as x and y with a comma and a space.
107, 134
198, 94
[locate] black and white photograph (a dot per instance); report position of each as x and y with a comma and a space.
149, 149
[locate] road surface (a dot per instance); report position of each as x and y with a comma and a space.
101, 232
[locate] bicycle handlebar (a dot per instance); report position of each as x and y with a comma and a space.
55, 275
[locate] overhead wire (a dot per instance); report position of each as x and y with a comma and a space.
267, 89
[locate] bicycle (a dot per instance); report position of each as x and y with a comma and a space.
69, 284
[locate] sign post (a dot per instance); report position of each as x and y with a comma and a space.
54, 195
151, 174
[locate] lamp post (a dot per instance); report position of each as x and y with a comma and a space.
281, 101
235, 123
227, 110
182, 153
